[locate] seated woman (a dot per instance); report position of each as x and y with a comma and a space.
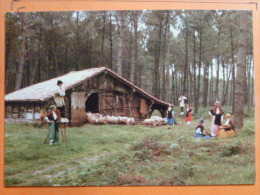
200, 132
228, 130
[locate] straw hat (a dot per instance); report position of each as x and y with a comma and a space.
228, 115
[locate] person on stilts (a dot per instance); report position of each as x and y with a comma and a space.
183, 101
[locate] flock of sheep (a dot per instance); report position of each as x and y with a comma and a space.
95, 118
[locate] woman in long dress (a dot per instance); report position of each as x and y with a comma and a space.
53, 118
216, 112
228, 130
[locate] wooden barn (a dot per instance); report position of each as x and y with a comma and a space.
96, 90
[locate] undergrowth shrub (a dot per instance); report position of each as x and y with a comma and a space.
143, 155
232, 149
10, 181
181, 171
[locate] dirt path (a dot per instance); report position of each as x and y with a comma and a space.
41, 171
94, 158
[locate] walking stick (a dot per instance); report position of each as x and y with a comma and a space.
65, 125
46, 138
62, 133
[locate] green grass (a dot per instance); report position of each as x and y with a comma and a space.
110, 155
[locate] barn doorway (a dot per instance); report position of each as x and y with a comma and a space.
92, 103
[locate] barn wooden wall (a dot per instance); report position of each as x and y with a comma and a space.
114, 98
26, 111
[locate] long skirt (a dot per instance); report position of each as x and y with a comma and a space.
189, 118
170, 121
224, 134
197, 135
54, 132
215, 129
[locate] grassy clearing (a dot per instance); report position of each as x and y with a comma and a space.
123, 155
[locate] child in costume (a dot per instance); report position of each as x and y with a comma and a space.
188, 114
200, 131
170, 115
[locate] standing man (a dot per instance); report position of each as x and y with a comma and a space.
183, 101
59, 94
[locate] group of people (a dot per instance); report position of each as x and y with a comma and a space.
57, 116
57, 113
217, 113
183, 103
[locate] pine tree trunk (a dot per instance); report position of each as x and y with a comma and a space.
156, 83
135, 46
233, 69
218, 62
194, 69
167, 61
249, 85
19, 79
121, 48
206, 83
111, 41
38, 58
186, 59
241, 71
198, 83
103, 37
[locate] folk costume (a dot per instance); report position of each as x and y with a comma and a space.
170, 116
217, 116
183, 101
59, 94
228, 130
188, 115
200, 133
54, 118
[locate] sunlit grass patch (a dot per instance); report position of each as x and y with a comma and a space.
110, 155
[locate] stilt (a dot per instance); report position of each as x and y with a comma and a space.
63, 131
45, 141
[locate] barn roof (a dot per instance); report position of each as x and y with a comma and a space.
44, 90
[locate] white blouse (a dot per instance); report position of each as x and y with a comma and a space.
54, 115
227, 122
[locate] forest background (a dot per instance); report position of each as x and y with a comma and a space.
206, 55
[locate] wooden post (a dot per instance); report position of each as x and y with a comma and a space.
130, 97
115, 105
19, 111
148, 114
33, 110
12, 113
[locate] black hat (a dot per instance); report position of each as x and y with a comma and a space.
59, 82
